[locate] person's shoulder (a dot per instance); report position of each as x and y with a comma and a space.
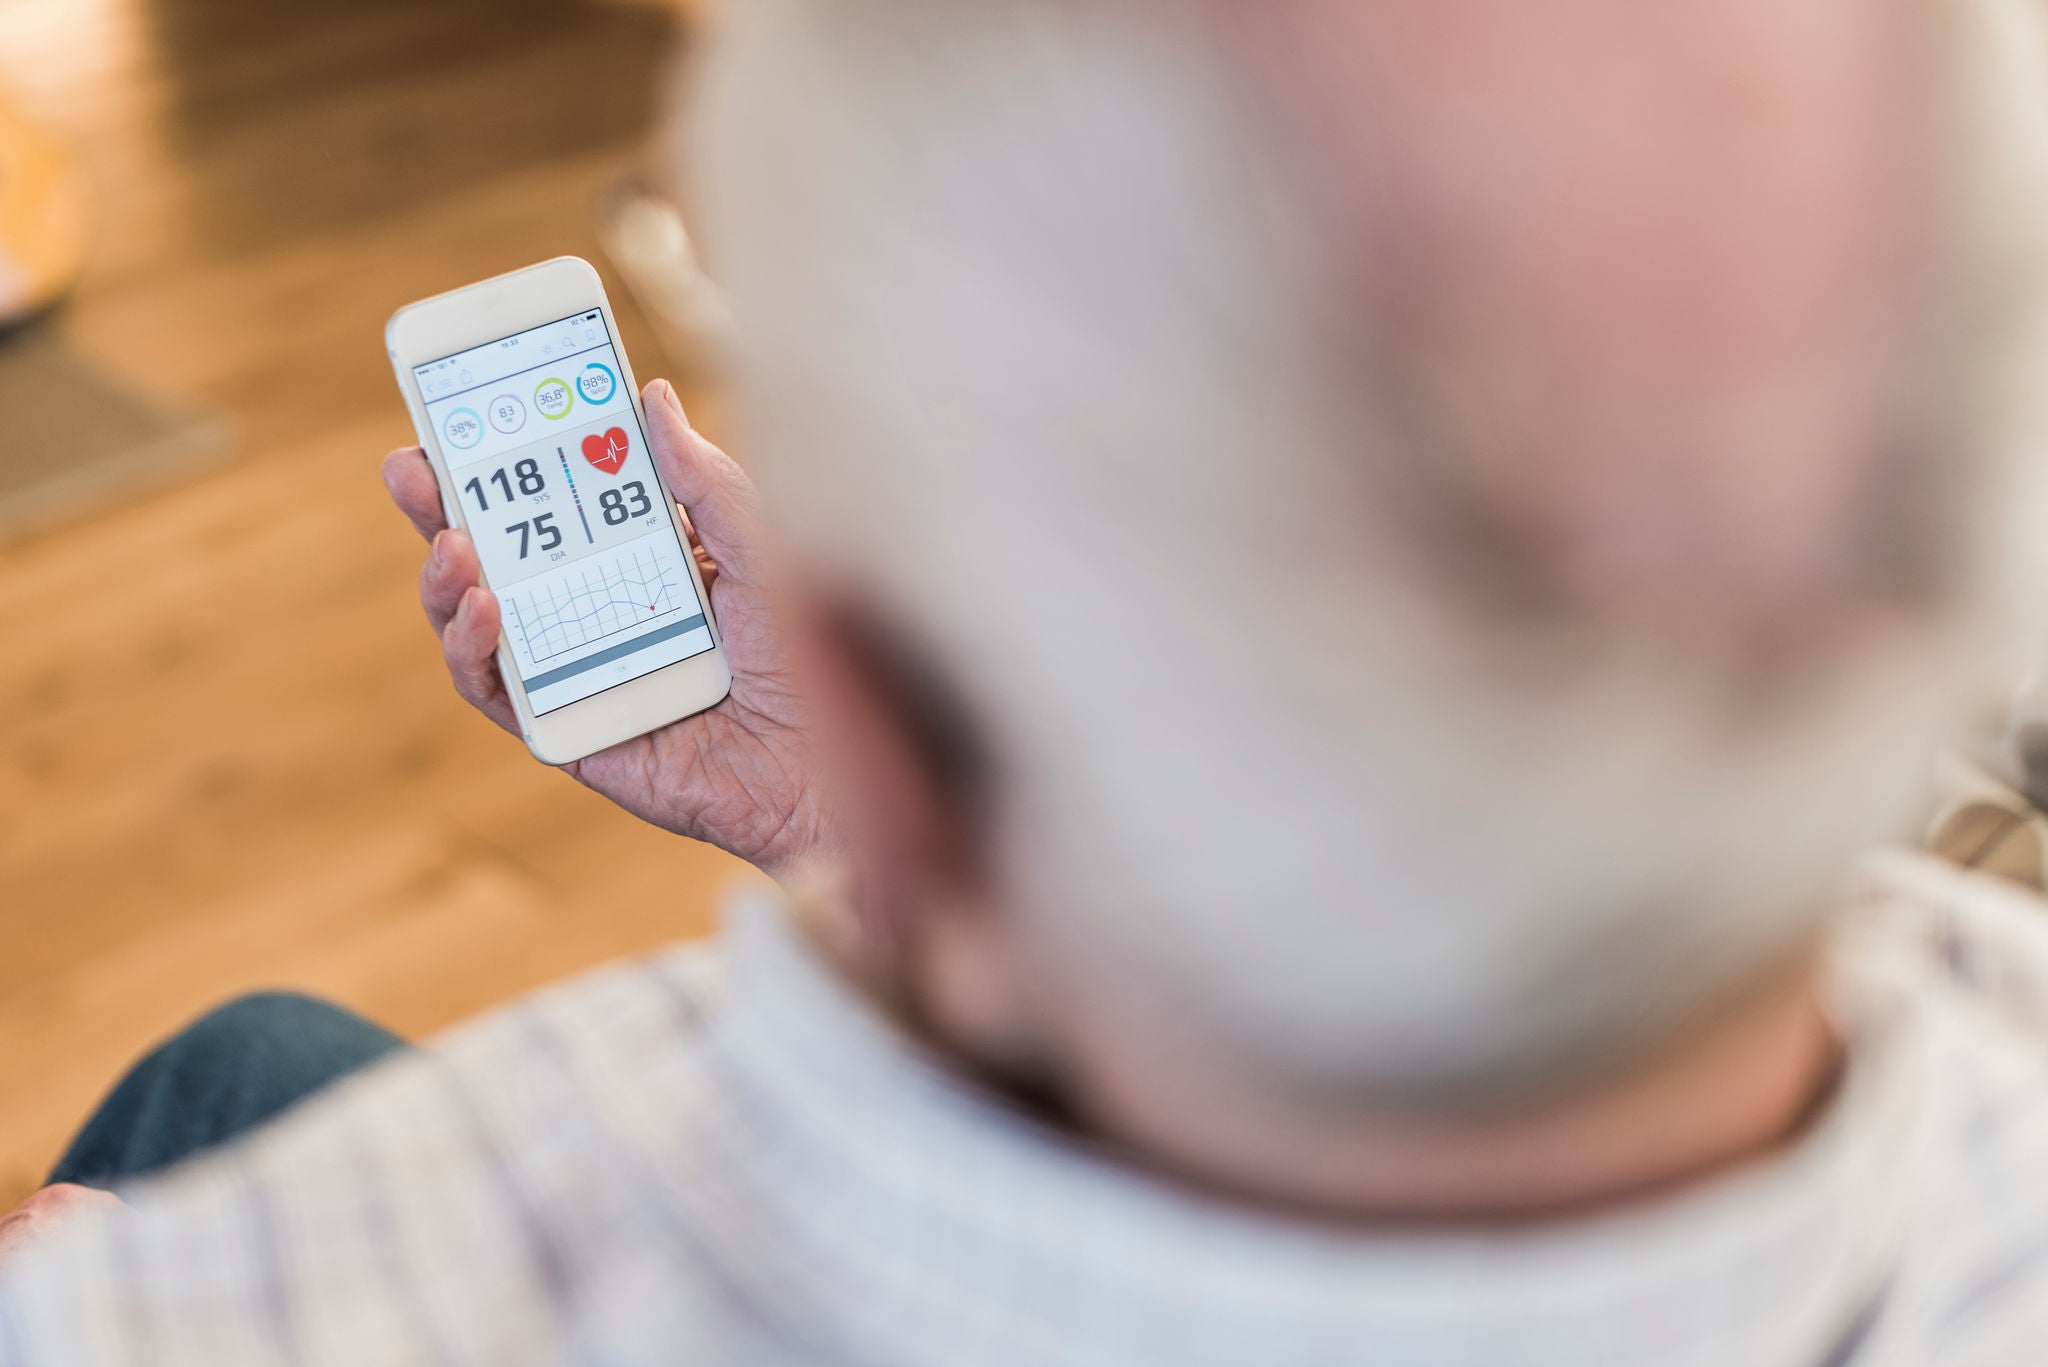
1953, 967
1956, 963
490, 1182
652, 1004
1959, 939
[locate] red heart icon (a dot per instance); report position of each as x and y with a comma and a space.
607, 451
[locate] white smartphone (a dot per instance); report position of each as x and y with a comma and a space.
523, 399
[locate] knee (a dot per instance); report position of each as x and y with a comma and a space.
267, 1010
278, 1027
263, 1015
228, 1071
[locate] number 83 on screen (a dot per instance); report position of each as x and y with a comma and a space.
519, 499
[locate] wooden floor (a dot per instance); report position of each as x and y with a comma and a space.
228, 755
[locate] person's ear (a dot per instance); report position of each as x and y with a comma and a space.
905, 776
910, 775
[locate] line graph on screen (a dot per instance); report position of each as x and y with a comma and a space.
598, 597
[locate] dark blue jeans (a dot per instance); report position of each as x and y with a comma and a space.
226, 1073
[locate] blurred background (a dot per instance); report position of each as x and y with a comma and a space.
229, 757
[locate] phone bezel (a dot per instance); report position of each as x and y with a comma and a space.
473, 315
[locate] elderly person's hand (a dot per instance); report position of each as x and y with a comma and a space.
740, 775
50, 1210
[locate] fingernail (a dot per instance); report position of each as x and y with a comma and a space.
673, 399
466, 609
435, 547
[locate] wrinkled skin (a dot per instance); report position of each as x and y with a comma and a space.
740, 776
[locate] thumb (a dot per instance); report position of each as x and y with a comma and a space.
716, 493
48, 1212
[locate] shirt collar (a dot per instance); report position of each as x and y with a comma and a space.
934, 1223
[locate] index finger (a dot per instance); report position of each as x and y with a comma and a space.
716, 494
49, 1211
410, 481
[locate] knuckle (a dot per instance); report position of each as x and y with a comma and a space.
466, 685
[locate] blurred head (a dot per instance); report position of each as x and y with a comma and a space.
1395, 548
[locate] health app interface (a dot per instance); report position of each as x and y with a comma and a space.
576, 537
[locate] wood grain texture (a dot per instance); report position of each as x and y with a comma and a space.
228, 755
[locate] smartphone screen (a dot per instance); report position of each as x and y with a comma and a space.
576, 536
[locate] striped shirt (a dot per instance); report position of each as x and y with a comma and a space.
720, 1155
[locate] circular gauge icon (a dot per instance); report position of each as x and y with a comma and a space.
507, 413
597, 383
463, 428
553, 398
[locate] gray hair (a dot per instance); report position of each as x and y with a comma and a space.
1034, 356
